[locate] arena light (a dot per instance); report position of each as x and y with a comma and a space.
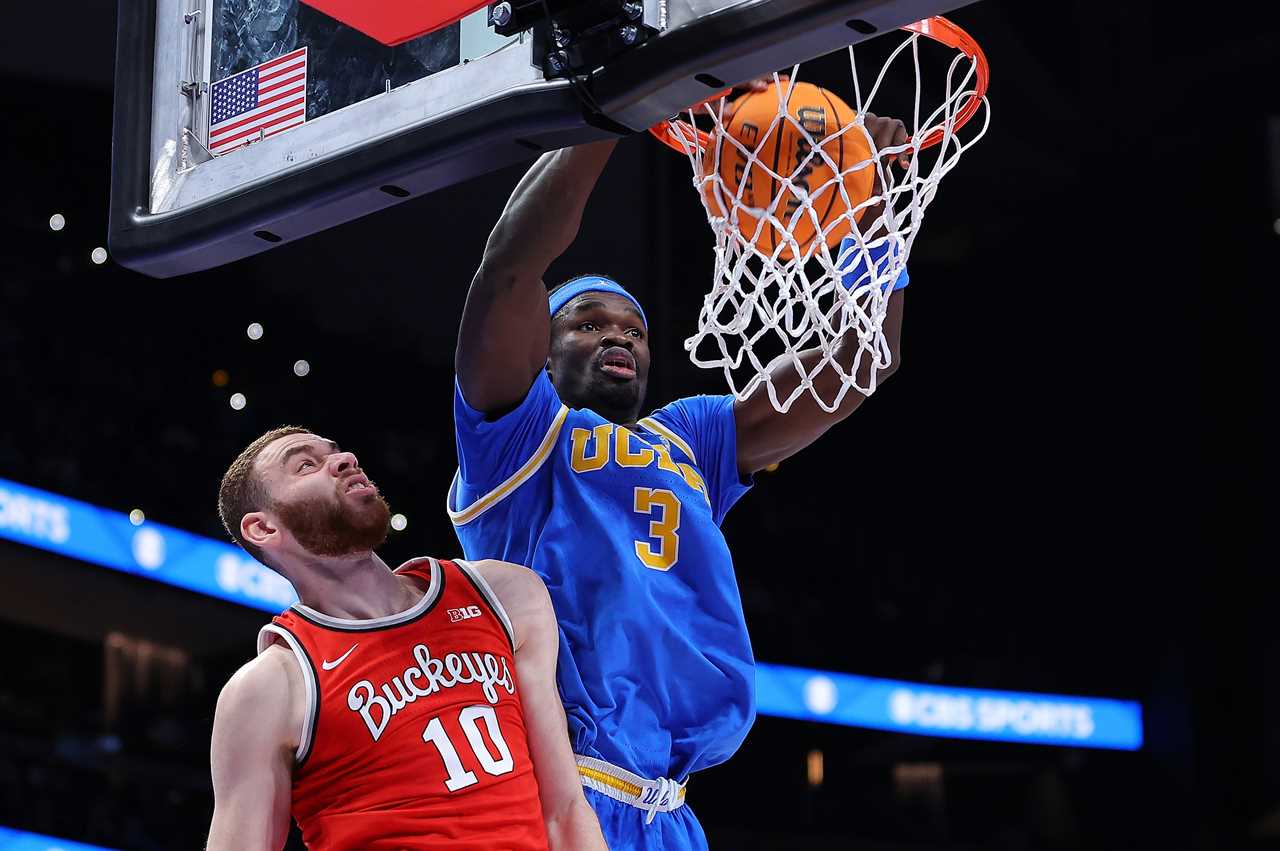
237, 401
136, 517
399, 522
57, 221
21, 840
219, 569
301, 368
98, 256
254, 331
815, 768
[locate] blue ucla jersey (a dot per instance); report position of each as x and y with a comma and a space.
623, 525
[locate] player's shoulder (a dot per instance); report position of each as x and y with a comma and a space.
268, 682
681, 412
520, 592
508, 579
539, 398
690, 420
261, 708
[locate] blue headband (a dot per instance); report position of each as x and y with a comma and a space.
591, 284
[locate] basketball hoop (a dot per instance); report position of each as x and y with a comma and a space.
829, 287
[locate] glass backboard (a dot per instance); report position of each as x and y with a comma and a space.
243, 124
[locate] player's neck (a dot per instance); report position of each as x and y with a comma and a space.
625, 418
358, 587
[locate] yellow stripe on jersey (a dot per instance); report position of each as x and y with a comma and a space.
655, 426
484, 503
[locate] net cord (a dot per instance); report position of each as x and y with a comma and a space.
760, 298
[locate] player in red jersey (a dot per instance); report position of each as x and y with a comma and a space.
405, 709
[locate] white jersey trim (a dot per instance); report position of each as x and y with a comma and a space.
490, 597
428, 600
308, 679
464, 516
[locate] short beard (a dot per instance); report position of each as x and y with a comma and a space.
617, 403
325, 528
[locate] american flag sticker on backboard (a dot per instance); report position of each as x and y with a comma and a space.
259, 102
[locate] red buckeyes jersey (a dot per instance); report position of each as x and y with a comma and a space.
414, 734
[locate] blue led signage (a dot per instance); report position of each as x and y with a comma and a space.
220, 569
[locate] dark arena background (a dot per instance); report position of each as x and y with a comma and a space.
1064, 493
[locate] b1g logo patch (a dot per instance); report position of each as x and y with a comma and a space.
463, 614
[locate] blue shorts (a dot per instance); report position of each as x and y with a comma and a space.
625, 830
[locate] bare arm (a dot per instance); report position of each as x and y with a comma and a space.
255, 732
505, 331
765, 436
571, 823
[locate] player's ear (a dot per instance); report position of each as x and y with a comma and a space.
258, 529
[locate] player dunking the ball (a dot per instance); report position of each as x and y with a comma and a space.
619, 514
406, 709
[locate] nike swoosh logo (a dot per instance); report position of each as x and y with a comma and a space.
329, 666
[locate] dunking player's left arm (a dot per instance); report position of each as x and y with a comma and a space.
571, 823
765, 436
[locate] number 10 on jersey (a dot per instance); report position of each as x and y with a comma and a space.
468, 719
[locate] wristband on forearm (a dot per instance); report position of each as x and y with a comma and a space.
882, 253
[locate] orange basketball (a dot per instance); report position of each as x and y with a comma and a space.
822, 115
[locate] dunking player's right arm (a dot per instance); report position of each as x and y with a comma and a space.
766, 436
505, 330
254, 739
571, 823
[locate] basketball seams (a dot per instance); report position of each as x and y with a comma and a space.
835, 190
778, 145
788, 132
738, 112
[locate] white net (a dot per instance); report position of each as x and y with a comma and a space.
788, 307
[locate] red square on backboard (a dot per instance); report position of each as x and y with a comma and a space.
394, 21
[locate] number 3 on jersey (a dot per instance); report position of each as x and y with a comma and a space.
459, 777
663, 528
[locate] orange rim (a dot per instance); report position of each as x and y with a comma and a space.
671, 131
941, 30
